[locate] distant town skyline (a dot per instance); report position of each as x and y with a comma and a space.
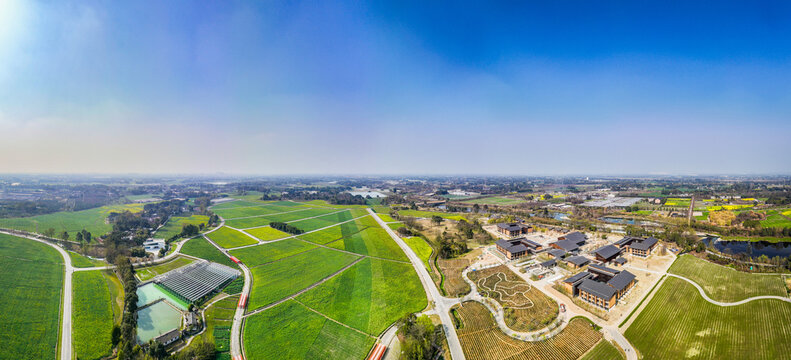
400, 87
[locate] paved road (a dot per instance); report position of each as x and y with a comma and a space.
442, 304
65, 331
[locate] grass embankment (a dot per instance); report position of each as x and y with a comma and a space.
421, 248
147, 273
80, 261
200, 248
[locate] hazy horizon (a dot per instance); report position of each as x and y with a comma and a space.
395, 88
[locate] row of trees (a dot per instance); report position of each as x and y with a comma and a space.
126, 335
291, 229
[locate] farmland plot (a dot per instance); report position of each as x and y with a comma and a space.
265, 253
175, 224
373, 242
291, 331
92, 315
31, 275
335, 232
267, 233
604, 350
92, 220
725, 284
369, 296
421, 248
682, 325
200, 248
324, 221
230, 238
246, 223
481, 338
274, 281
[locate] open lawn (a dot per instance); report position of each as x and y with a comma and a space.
92, 220
604, 350
199, 247
92, 315
147, 273
265, 253
80, 261
495, 200
31, 276
481, 339
725, 284
682, 325
373, 241
230, 238
291, 331
369, 296
175, 224
336, 232
274, 281
267, 233
421, 248
429, 214
526, 308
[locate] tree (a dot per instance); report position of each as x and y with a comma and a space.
436, 219
49, 232
65, 236
79, 236
116, 335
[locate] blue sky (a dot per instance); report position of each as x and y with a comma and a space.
395, 87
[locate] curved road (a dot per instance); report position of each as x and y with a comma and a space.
720, 303
65, 331
442, 304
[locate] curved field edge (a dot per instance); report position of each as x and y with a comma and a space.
725, 284
682, 324
31, 275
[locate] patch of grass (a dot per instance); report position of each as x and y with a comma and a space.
369, 296
175, 224
234, 287
200, 248
92, 315
373, 241
725, 284
267, 233
219, 317
80, 261
230, 238
385, 217
775, 219
147, 273
31, 276
683, 325
604, 350
261, 254
421, 248
274, 281
291, 331
395, 226
92, 220
429, 214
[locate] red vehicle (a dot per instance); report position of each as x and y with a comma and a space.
242, 301
377, 352
562, 307
234, 259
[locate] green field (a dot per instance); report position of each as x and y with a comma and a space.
262, 254
373, 241
369, 296
395, 226
421, 248
274, 281
219, 317
146, 273
381, 209
92, 220
678, 323
775, 218
267, 233
92, 315
80, 261
247, 223
199, 247
31, 276
429, 214
385, 217
725, 284
230, 238
258, 210
175, 224
604, 350
291, 331
328, 220
336, 232
495, 200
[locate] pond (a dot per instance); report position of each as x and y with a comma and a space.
156, 320
150, 292
751, 248
623, 221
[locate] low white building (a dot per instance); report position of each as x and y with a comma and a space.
154, 245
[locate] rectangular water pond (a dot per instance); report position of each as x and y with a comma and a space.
156, 320
151, 292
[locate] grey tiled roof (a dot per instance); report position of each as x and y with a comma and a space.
578, 260
620, 281
596, 288
607, 251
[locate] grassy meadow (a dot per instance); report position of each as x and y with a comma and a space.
230, 238
199, 247
725, 284
92, 317
92, 220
